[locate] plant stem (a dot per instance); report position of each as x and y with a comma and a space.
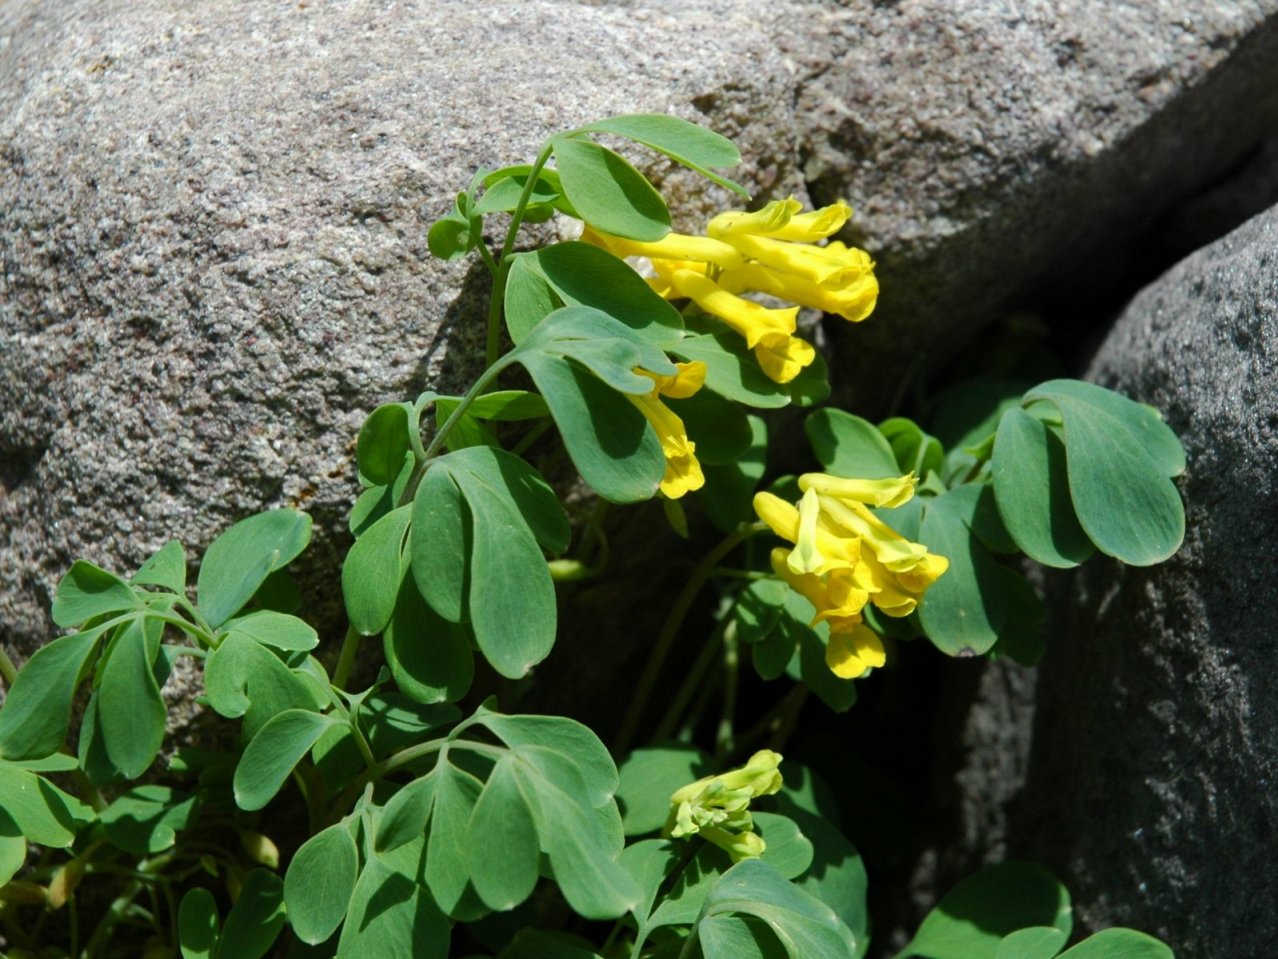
691, 682
346, 659
532, 436
503, 265
731, 663
670, 631
7, 670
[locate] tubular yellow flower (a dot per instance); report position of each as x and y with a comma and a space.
831, 266
683, 471
884, 493
672, 246
806, 556
890, 548
836, 596
746, 317
853, 301
782, 220
782, 358
783, 518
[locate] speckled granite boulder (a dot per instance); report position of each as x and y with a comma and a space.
1149, 779
213, 242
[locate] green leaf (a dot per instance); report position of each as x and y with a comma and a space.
244, 678
525, 488
965, 610
37, 710
647, 779
1119, 457
131, 712
238, 561
439, 543
788, 851
581, 851
319, 883
915, 451
271, 755
393, 722
515, 628
13, 856
686, 143
506, 406
608, 193
429, 657
806, 927
449, 237
608, 439
971, 920
404, 818
847, 445
166, 568
198, 925
502, 840
391, 914
731, 369
1031, 489
373, 570
682, 904
277, 630
720, 428
738, 937
528, 297
87, 591
1021, 637
728, 494
146, 819
1119, 943
33, 807
503, 192
581, 274
256, 918
575, 743
648, 862
1036, 942
541, 944
447, 857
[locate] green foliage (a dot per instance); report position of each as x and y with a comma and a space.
402, 827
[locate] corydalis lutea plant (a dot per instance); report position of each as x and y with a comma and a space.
404, 817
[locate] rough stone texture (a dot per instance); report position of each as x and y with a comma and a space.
1148, 781
213, 244
1023, 153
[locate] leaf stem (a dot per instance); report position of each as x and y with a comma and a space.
502, 270
731, 667
670, 631
346, 659
696, 675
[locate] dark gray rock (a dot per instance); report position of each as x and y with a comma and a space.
1149, 781
1023, 154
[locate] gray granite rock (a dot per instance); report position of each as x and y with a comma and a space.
213, 242
1022, 153
1148, 783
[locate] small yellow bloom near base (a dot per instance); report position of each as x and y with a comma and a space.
683, 471
845, 557
771, 251
717, 808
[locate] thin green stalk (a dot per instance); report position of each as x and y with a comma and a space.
532, 436
437, 441
346, 659
503, 266
670, 631
731, 670
7, 670
691, 683
120, 908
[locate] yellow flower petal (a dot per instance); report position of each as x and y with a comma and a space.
890, 548
853, 300
673, 246
806, 556
883, 493
783, 519
766, 221
747, 318
833, 266
683, 471
689, 378
816, 224
850, 653
782, 358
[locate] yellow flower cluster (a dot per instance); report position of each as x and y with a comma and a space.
683, 472
770, 251
717, 808
845, 557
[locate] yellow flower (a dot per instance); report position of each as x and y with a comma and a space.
768, 251
718, 807
683, 471
845, 557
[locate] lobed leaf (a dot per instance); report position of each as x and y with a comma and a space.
607, 192
320, 882
238, 561
686, 143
